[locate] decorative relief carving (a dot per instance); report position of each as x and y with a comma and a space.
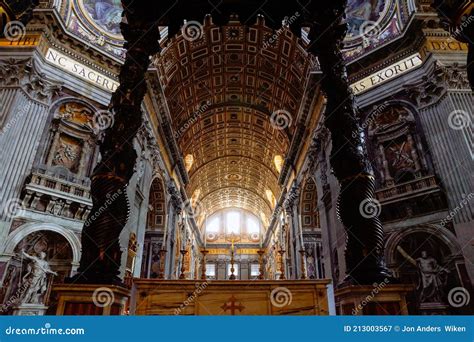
309, 206
67, 153
455, 76
396, 144
23, 73
433, 86
76, 113
38, 86
11, 71
59, 182
175, 196
72, 138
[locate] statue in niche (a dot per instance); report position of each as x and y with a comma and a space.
310, 263
155, 260
432, 277
36, 278
57, 208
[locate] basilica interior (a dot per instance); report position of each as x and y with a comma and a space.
236, 157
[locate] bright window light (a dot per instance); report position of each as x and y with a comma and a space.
233, 222
211, 270
213, 225
254, 270
236, 269
252, 225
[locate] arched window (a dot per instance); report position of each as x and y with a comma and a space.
239, 224
214, 224
233, 222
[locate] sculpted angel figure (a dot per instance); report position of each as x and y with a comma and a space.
36, 278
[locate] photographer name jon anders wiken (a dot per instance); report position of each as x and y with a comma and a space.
429, 328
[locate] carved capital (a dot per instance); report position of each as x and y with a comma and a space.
429, 89
455, 76
23, 73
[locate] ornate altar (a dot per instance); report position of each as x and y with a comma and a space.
238, 297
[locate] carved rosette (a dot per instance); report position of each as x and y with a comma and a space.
101, 254
349, 159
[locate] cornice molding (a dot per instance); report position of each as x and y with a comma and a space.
51, 27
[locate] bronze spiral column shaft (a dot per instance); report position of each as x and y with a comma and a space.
101, 254
349, 159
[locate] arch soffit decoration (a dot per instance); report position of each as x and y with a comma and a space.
21, 232
441, 233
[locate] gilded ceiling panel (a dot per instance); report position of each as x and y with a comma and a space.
223, 90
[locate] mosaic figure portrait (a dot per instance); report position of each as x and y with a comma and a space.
360, 11
105, 13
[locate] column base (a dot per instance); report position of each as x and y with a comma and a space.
30, 310
89, 299
377, 299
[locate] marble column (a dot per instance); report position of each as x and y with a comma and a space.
54, 145
447, 138
172, 247
288, 257
294, 226
25, 107
85, 158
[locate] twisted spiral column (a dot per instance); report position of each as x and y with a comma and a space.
349, 159
101, 254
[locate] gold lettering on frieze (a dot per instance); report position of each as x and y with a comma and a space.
218, 251
24, 41
247, 251
224, 251
81, 71
445, 44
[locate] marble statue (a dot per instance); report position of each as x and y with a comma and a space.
432, 279
310, 261
36, 278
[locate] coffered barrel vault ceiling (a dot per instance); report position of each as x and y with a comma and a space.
221, 90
